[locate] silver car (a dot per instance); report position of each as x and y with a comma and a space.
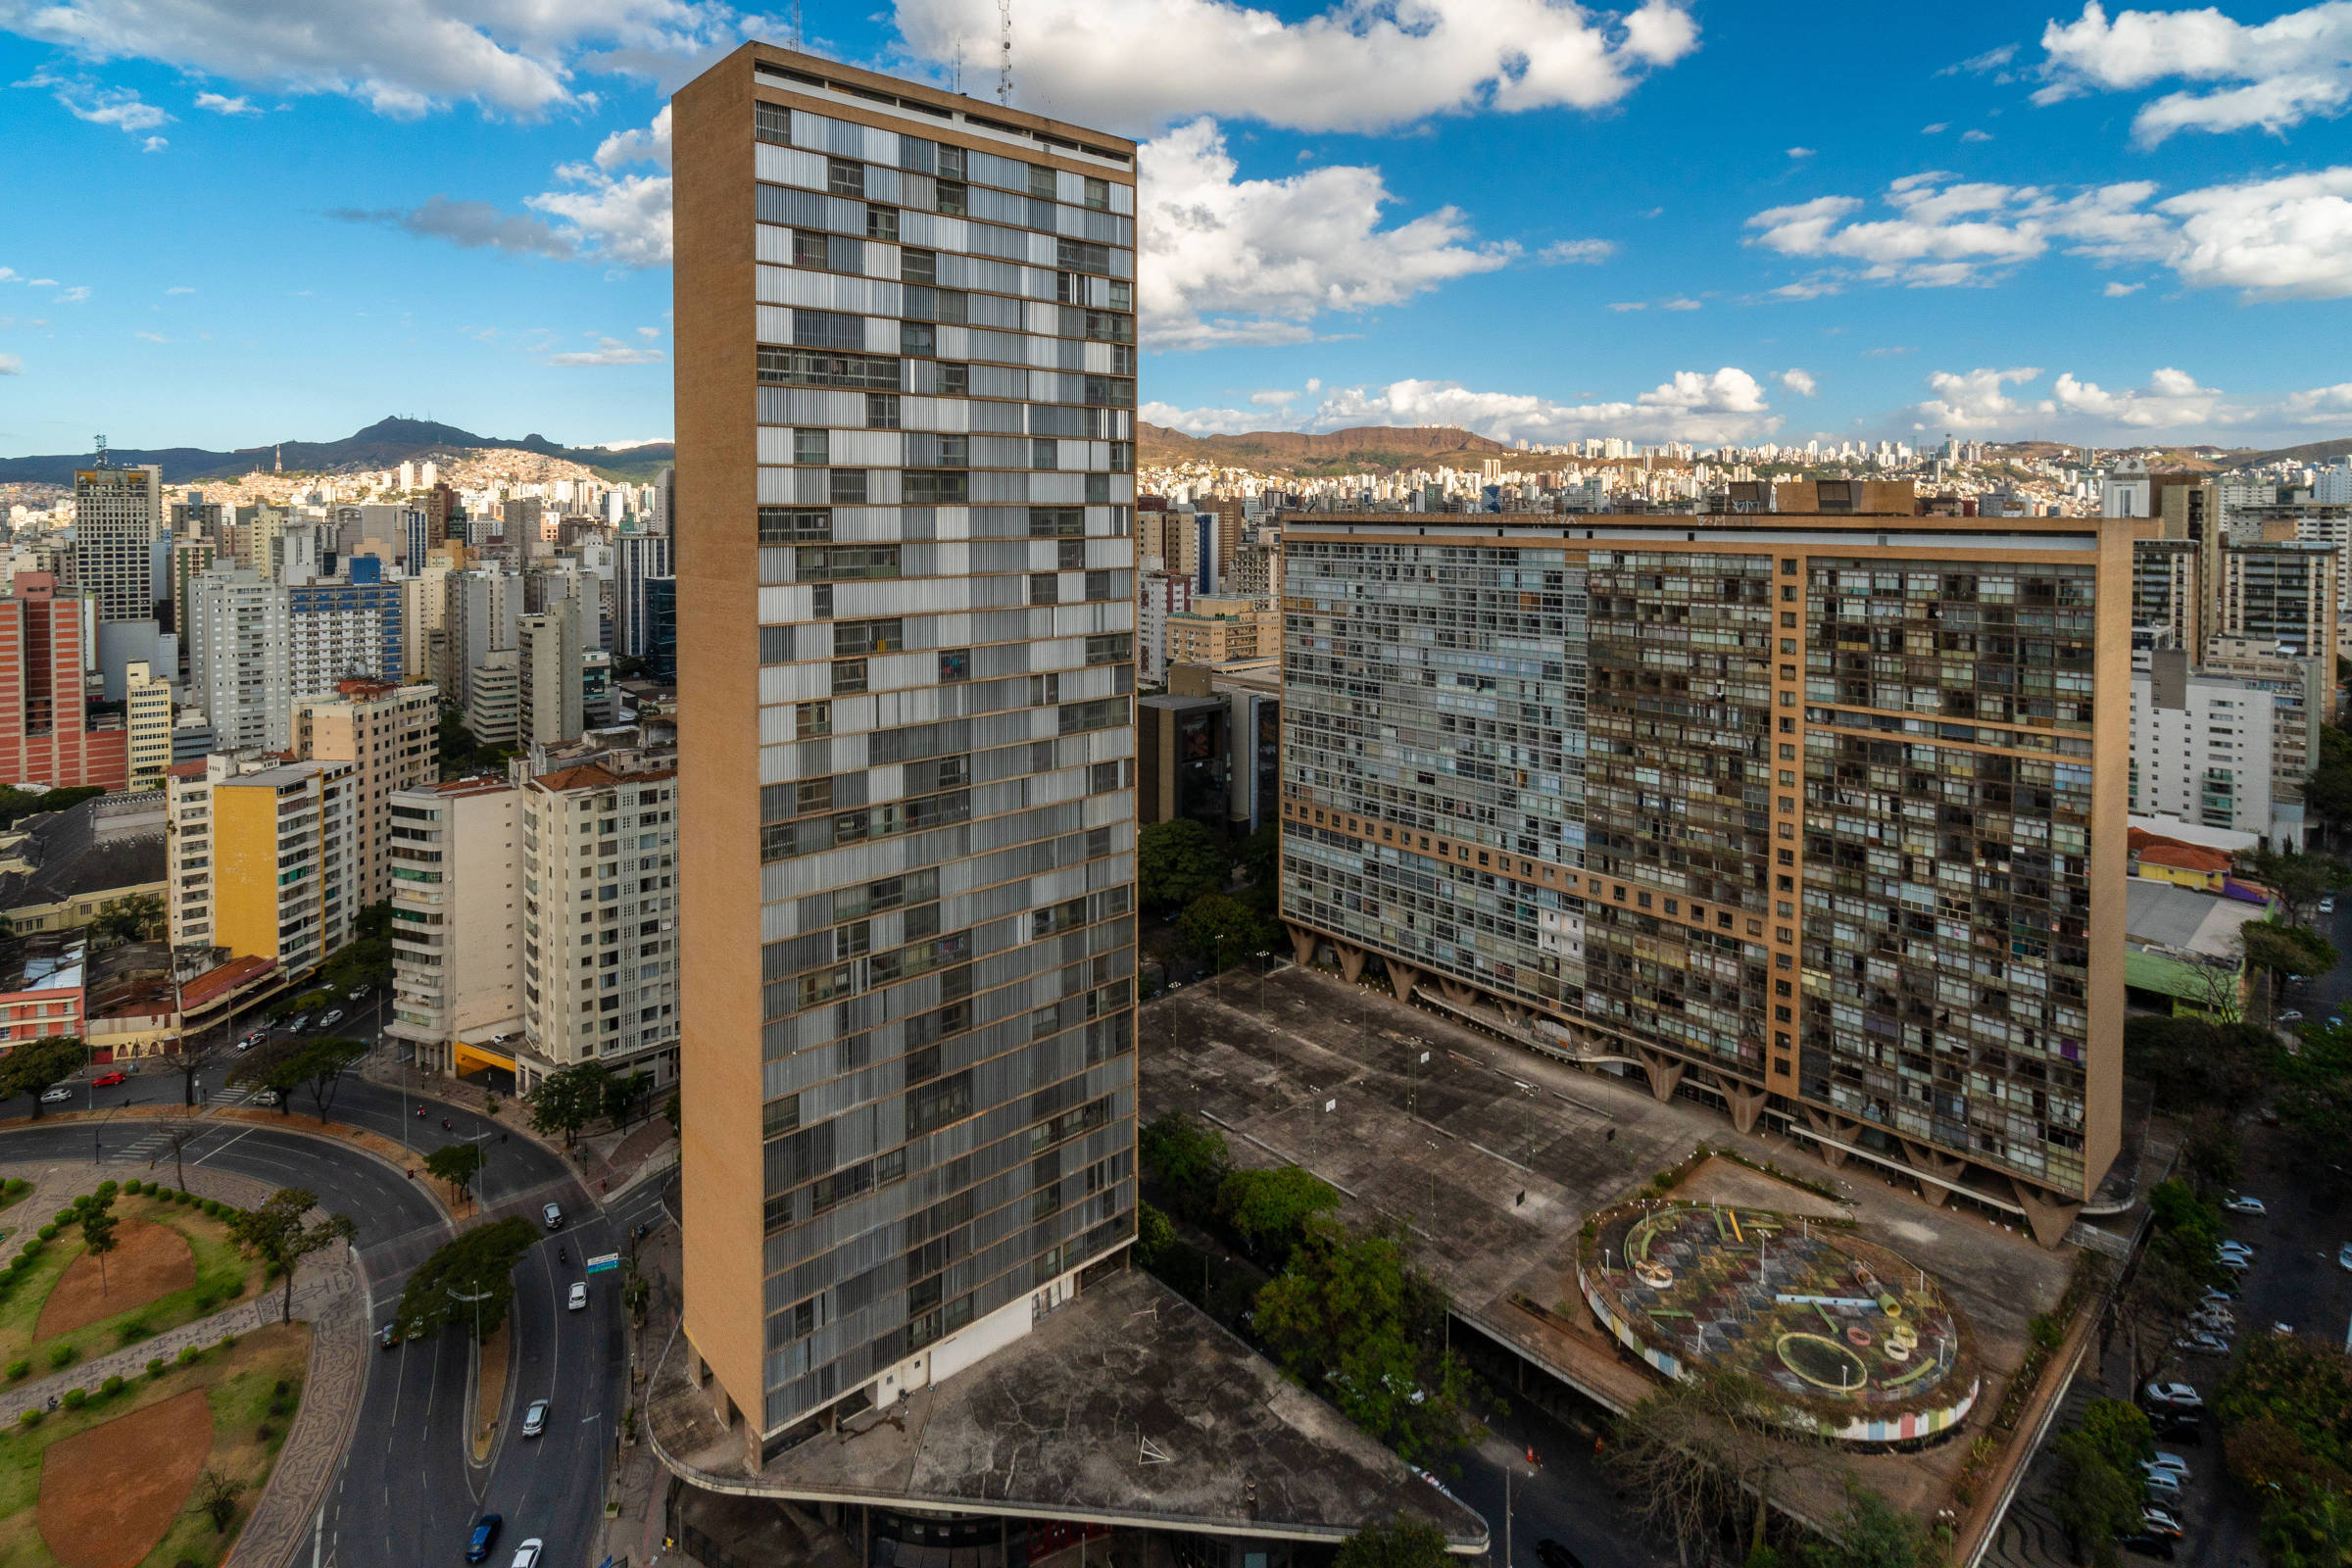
534, 1419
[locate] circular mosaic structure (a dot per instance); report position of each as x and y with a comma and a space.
1858, 1341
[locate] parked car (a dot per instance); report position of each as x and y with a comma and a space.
2291, 1016
252, 1040
56, 1096
578, 1301
2162, 1486
2202, 1342
2343, 1255
2145, 1545
2177, 1395
2160, 1522
108, 1080
2233, 1245
295, 1024
553, 1214
2327, 906
2166, 1461
2234, 1262
355, 992
526, 1555
388, 1335
330, 1017
2216, 1292
267, 1097
484, 1536
534, 1419
2238, 1205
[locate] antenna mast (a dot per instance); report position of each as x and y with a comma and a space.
797, 46
1005, 67
104, 461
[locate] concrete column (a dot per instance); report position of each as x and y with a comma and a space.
1403, 978
1936, 1163
1829, 1127
1352, 963
2047, 1215
1745, 1100
1302, 945
1665, 1073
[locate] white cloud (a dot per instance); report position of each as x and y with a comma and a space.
1147, 64
1800, 383
400, 56
2271, 76
1936, 129
1622, 305
1260, 261
474, 225
618, 216
2116, 291
1727, 405
154, 144
179, 288
2326, 404
73, 296
2172, 398
1991, 59
1974, 400
152, 338
1577, 252
84, 99
10, 364
2286, 238
1800, 152
1214, 420
1679, 304
652, 334
221, 105
610, 350
1973, 134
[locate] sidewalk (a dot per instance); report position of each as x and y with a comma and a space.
640, 1484
607, 1163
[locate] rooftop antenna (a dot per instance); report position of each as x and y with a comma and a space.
796, 29
103, 460
1004, 66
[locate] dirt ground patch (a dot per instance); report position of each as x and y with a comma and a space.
109, 1494
153, 1261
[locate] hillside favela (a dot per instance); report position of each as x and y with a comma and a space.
1333, 786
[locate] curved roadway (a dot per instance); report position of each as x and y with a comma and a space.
409, 1491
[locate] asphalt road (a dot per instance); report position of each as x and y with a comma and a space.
1564, 1496
410, 1492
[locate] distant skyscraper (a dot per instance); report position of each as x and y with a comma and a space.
636, 558
240, 658
549, 694
662, 629
116, 514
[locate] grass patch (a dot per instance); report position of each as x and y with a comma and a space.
222, 1277
241, 1384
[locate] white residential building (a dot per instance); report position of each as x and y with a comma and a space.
240, 645
457, 878
2206, 749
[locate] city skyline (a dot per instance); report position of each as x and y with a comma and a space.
2087, 227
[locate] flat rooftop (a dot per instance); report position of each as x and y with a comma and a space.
1127, 1406
1491, 1157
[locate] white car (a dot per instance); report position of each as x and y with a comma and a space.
2343, 1255
56, 1096
2216, 1295
267, 1097
2235, 1263
331, 1017
2180, 1395
2166, 1461
2244, 1206
551, 1215
2291, 1015
526, 1555
2202, 1342
578, 1300
2327, 906
534, 1419
2162, 1486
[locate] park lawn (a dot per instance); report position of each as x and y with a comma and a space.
239, 1385
223, 1276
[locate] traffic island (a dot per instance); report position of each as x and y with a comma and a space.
1125, 1407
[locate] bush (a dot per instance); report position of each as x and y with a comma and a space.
204, 1303
69, 1214
281, 1389
31, 1418
18, 1369
110, 1388
178, 1197
108, 1188
62, 1356
155, 1366
229, 1341
213, 1206
188, 1354
264, 1433
47, 1233
76, 1398
133, 1332
12, 1186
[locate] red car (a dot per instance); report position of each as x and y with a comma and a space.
109, 1080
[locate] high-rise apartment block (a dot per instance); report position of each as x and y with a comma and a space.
903, 516
391, 736
600, 965
1824, 813
240, 668
147, 721
46, 741
117, 512
344, 630
548, 675
457, 891
2282, 594
259, 855
2220, 749
637, 559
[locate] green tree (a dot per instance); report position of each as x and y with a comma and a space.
2212, 1152
1261, 855
1221, 930
2311, 1528
216, 1497
457, 1164
1187, 1160
39, 1066
98, 1222
477, 1263
670, 1110
2094, 1501
2122, 1431
284, 1066
1269, 1208
1175, 863
2300, 878
1871, 1534
1348, 1317
1155, 1237
15, 805
623, 1096
1402, 1542
569, 1100
136, 918
2315, 1103
2280, 950
276, 1232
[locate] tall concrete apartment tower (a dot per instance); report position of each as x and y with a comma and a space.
116, 514
1821, 816
904, 566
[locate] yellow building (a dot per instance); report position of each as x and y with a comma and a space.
1217, 629
148, 715
262, 856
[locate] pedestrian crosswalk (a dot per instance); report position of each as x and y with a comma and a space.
156, 1145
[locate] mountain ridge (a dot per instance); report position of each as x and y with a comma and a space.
385, 444
1368, 446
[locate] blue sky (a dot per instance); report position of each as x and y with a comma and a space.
231, 221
